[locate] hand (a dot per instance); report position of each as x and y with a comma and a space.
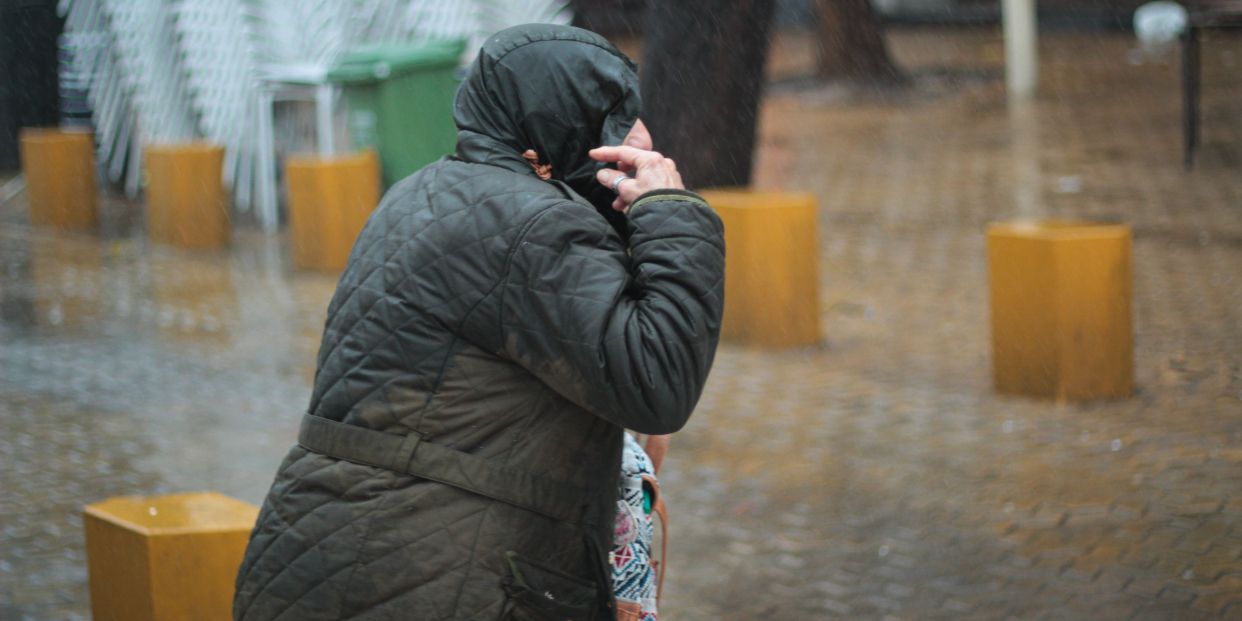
657, 447
651, 171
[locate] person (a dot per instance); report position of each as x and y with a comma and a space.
491, 338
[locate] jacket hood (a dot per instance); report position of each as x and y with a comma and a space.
556, 89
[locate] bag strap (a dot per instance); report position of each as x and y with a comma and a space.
662, 511
659, 509
410, 454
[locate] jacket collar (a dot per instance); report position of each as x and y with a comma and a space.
480, 149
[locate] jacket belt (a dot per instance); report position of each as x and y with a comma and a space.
410, 454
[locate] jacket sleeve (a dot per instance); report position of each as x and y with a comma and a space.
630, 336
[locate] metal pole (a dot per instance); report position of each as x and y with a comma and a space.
1190, 94
265, 206
1028, 200
1021, 53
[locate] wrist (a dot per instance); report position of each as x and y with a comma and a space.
666, 194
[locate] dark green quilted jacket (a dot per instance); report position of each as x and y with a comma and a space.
488, 342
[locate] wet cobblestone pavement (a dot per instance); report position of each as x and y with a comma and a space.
876, 477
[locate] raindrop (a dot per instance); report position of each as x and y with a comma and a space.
1085, 436
1115, 444
741, 549
1188, 574
55, 315
1071, 184
1007, 426
883, 551
790, 561
153, 511
1009, 507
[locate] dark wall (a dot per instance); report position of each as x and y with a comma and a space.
1053, 14
28, 61
624, 17
611, 18
1114, 13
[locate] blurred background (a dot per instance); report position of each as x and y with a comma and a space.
983, 353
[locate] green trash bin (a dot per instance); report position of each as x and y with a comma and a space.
400, 102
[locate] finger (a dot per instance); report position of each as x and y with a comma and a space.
624, 185
618, 204
608, 154
608, 176
674, 176
639, 136
624, 154
628, 191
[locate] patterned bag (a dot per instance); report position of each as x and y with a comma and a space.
637, 578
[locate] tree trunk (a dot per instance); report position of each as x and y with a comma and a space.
851, 43
29, 95
702, 79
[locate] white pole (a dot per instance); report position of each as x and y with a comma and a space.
1024, 152
1021, 54
265, 206
324, 116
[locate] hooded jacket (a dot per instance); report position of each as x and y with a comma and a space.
488, 342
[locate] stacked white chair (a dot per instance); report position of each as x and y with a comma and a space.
176, 70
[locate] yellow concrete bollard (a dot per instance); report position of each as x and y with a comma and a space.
329, 201
59, 167
771, 267
1060, 303
165, 557
186, 202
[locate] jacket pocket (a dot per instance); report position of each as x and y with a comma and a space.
538, 593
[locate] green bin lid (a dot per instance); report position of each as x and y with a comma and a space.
379, 62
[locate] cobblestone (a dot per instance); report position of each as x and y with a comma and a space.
874, 477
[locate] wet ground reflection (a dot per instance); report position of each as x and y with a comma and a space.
873, 477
